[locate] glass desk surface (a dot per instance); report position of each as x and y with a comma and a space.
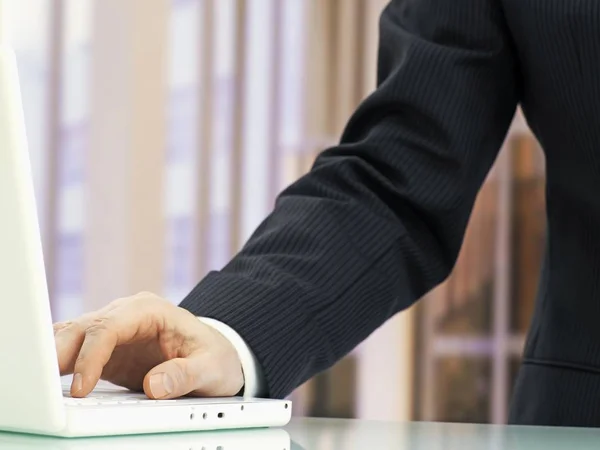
328, 434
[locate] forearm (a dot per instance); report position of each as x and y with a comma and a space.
380, 218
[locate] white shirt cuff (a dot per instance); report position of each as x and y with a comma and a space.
253, 376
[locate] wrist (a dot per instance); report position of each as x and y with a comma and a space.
251, 370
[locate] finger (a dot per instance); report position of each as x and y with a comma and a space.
68, 339
127, 322
197, 374
101, 338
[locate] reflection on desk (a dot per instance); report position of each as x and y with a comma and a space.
328, 434
257, 439
314, 434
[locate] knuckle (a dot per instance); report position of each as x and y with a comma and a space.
85, 363
60, 326
98, 326
182, 365
69, 326
181, 375
81, 360
187, 368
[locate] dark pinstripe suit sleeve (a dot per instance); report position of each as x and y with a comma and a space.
380, 218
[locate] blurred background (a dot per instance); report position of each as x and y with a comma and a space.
160, 133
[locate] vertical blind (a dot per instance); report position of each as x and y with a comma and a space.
252, 98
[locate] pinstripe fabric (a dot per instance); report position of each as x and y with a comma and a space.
379, 220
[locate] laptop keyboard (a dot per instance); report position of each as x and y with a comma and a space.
118, 400
112, 398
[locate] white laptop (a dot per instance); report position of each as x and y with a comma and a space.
31, 395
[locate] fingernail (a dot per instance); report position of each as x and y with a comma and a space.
77, 384
161, 385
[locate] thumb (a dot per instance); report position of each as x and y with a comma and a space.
175, 378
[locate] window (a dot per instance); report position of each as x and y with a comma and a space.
27, 34
71, 153
182, 121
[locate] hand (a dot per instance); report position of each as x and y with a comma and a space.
146, 343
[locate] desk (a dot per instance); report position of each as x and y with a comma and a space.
317, 434
312, 434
